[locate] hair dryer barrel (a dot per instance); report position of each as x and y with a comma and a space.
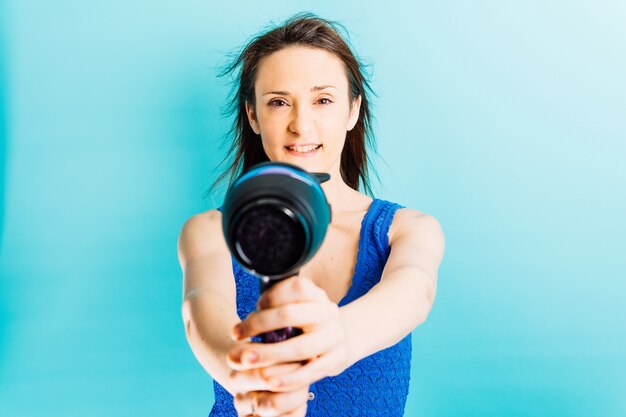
275, 218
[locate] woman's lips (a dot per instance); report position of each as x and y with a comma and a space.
309, 154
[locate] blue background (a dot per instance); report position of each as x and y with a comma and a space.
504, 120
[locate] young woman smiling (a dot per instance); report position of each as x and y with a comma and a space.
301, 97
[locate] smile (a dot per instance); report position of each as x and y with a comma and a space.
304, 151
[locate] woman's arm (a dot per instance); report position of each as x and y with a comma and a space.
335, 338
209, 313
402, 299
209, 294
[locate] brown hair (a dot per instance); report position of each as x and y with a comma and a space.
304, 29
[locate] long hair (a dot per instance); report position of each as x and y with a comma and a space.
303, 29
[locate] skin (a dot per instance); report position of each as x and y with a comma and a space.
301, 96
289, 109
304, 115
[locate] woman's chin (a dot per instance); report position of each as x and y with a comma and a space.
311, 164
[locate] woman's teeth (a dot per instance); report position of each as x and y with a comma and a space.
303, 148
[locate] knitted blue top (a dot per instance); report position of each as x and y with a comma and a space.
378, 384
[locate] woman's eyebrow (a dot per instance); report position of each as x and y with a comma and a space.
316, 88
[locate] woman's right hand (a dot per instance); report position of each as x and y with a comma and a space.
257, 398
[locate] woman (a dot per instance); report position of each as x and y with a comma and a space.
301, 98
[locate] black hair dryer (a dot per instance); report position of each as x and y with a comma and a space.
274, 218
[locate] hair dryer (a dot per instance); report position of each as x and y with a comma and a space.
274, 218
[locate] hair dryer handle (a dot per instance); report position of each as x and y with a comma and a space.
279, 335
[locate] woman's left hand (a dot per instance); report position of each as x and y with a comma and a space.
322, 348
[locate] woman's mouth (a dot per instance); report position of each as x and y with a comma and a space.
303, 151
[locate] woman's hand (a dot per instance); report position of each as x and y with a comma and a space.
266, 404
322, 350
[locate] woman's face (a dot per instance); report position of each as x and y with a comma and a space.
302, 102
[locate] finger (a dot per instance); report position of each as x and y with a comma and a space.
296, 289
278, 404
251, 380
246, 403
298, 412
281, 369
296, 315
256, 379
243, 357
268, 404
304, 375
237, 358
303, 347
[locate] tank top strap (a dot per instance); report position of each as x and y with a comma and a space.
373, 248
381, 218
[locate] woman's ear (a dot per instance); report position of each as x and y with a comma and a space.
354, 113
252, 118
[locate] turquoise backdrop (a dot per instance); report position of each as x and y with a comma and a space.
504, 120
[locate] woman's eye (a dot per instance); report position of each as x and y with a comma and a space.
282, 103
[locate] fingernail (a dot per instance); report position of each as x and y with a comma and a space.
250, 357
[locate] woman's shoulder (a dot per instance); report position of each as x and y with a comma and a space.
415, 225
202, 221
200, 234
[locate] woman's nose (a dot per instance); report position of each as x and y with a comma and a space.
301, 120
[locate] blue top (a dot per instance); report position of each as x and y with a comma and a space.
378, 384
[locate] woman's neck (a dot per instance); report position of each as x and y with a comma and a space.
341, 197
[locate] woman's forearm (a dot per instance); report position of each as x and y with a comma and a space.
208, 334
391, 310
